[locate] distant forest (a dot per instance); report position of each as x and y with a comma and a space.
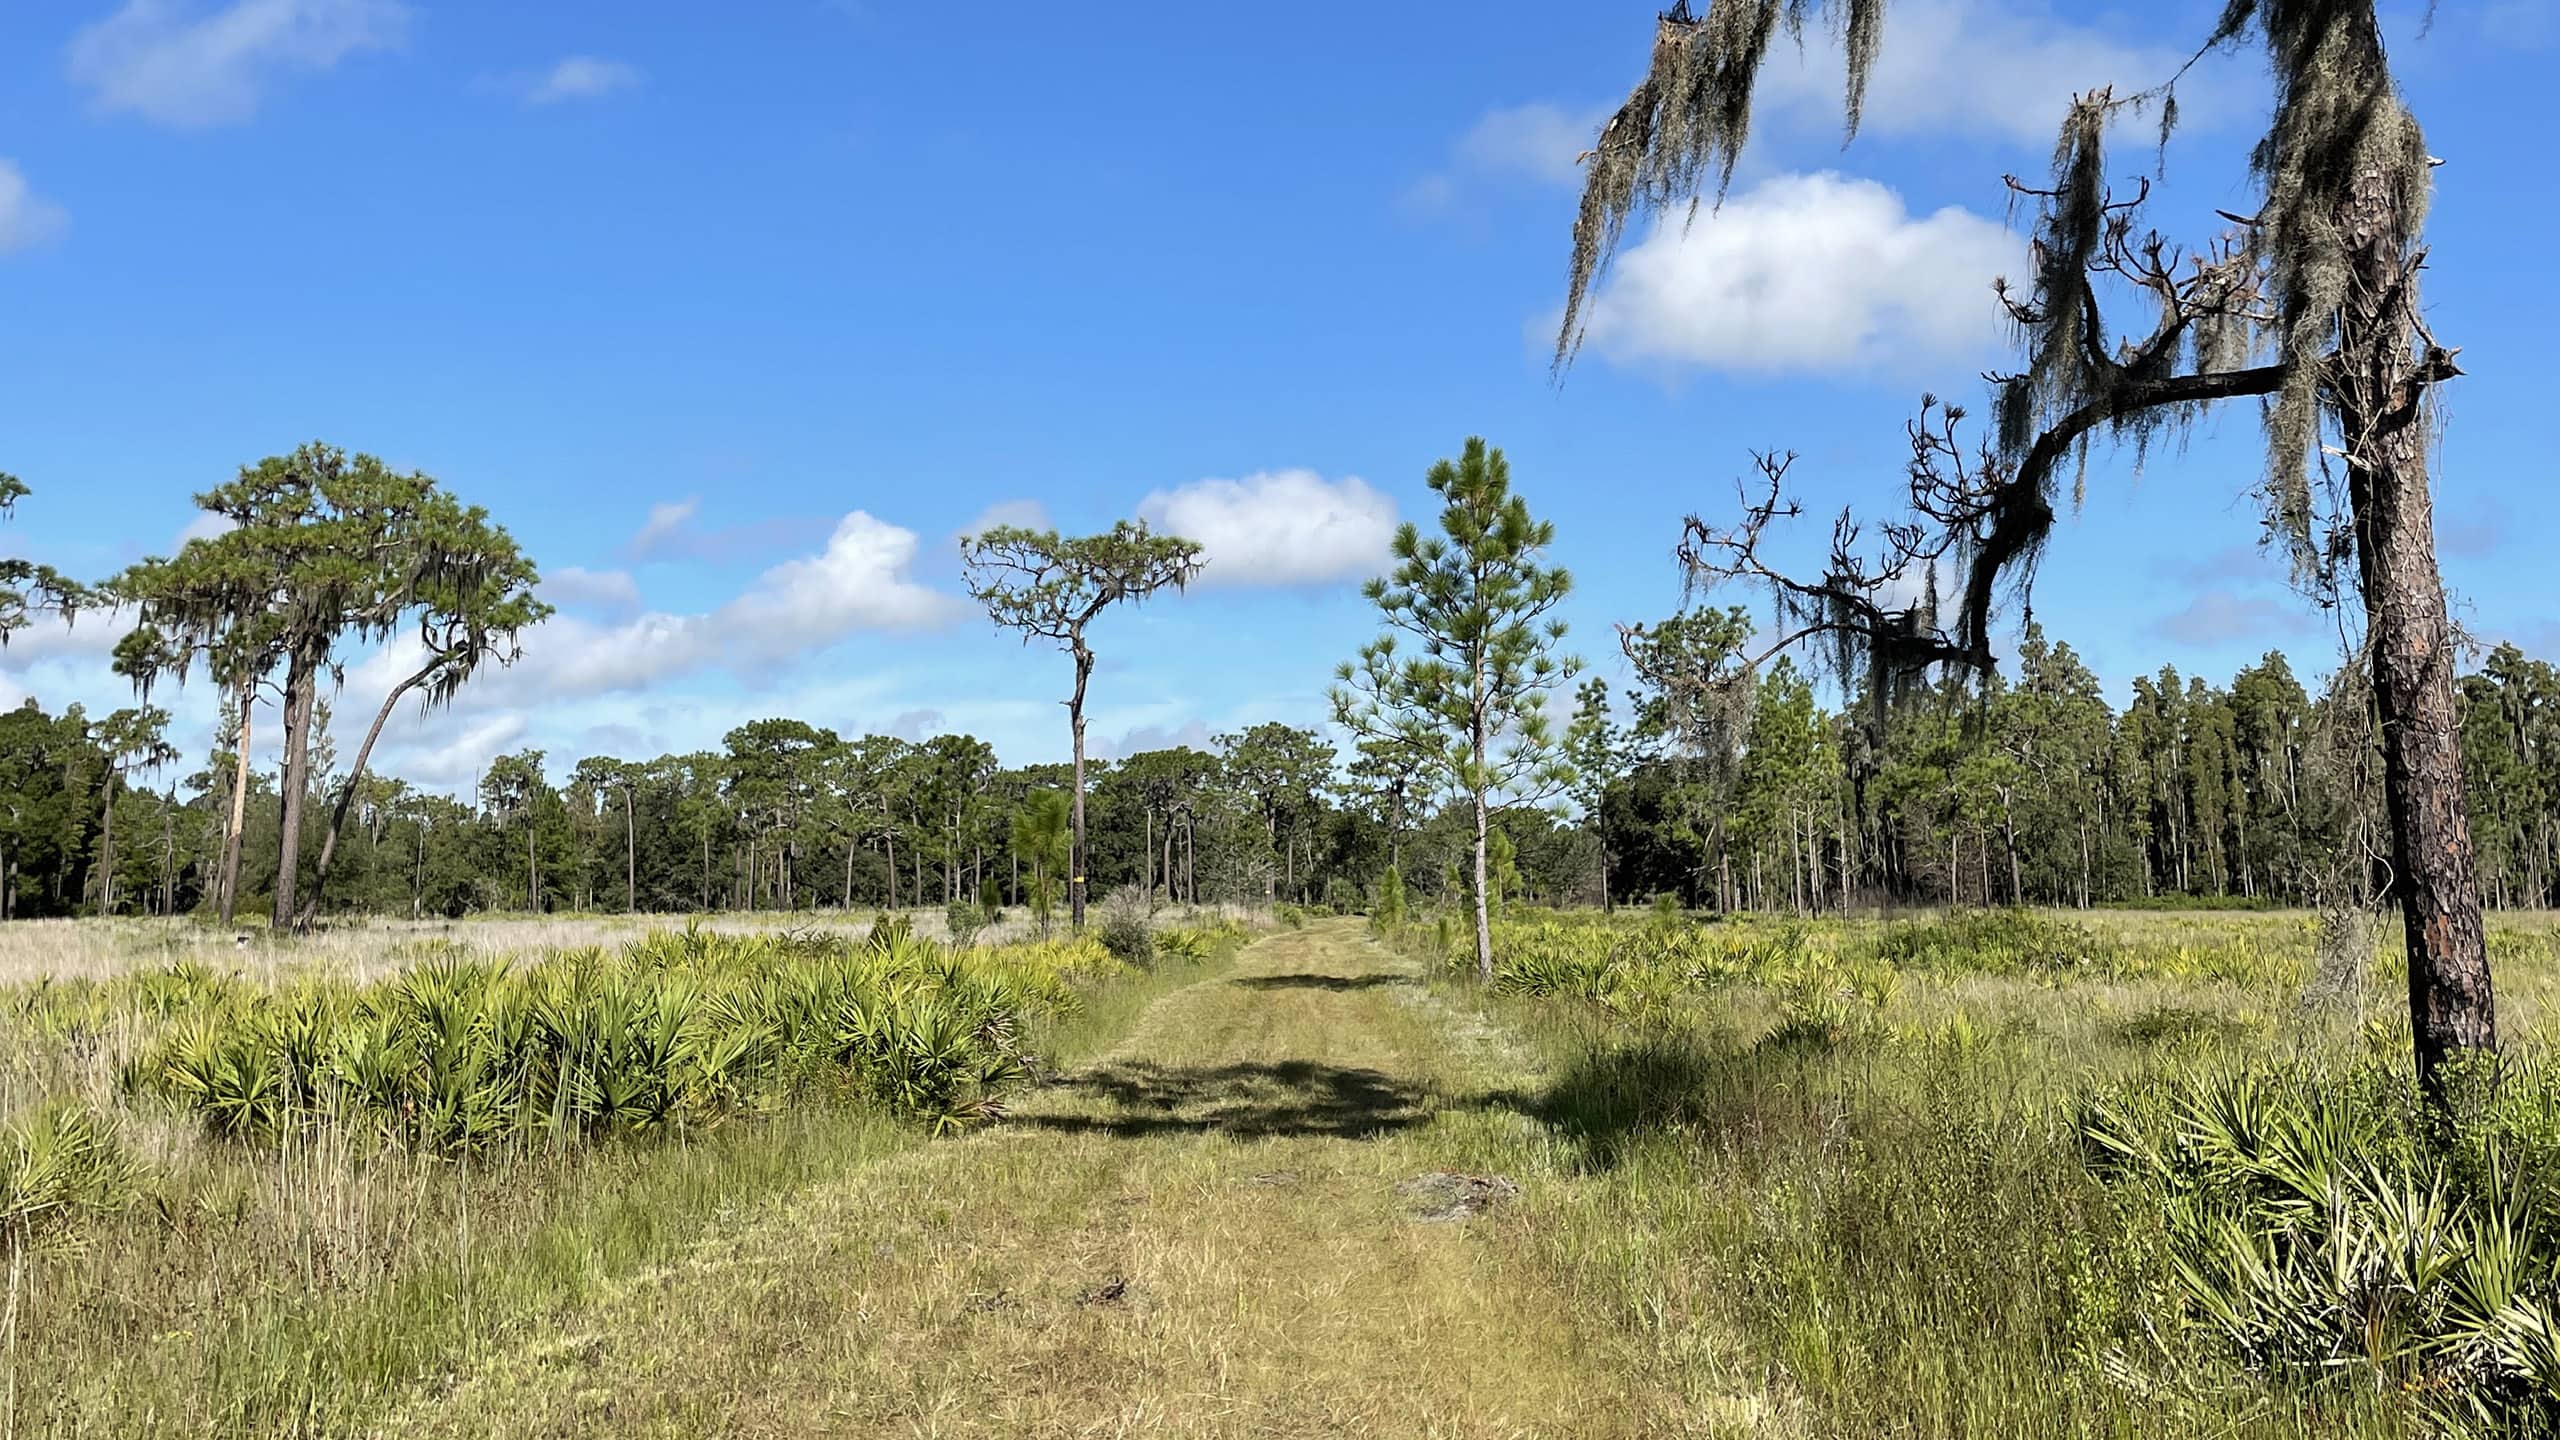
2032, 790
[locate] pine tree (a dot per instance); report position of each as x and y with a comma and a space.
1473, 700
1054, 588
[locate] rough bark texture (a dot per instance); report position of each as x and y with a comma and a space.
1475, 785
1075, 853
2380, 392
107, 847
230, 883
302, 690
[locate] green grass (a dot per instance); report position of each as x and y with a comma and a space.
1973, 1174
1855, 1170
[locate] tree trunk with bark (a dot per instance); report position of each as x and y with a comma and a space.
2380, 396
1076, 855
302, 692
229, 881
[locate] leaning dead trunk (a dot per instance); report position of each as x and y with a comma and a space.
347, 793
231, 835
2382, 409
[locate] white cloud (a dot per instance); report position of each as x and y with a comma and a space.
91, 635
667, 520
179, 64
1022, 514
1806, 272
1282, 527
580, 77
26, 218
1539, 140
204, 526
457, 763
2004, 69
576, 585
859, 582
1974, 67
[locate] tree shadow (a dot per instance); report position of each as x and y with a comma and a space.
1609, 1099
1245, 1099
1321, 982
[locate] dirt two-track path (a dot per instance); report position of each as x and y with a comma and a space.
1200, 1234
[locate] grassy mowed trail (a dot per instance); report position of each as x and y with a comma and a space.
1199, 1234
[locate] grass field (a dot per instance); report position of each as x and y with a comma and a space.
1942, 1175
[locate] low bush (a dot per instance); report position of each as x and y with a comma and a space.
459, 1053
2319, 1225
1128, 934
965, 918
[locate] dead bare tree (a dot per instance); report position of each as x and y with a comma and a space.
2309, 305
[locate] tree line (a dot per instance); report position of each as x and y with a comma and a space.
2030, 787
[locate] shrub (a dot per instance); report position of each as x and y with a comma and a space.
965, 919
1126, 933
1386, 911
58, 1162
679, 1028
2318, 1222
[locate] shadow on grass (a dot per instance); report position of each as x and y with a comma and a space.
1607, 1100
1321, 982
1289, 1097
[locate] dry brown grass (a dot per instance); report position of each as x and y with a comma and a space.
97, 949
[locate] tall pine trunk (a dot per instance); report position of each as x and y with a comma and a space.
1475, 787
1075, 856
107, 848
2380, 397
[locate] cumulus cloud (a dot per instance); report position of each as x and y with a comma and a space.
462, 755
26, 218
2001, 69
181, 64
580, 77
1803, 273
1971, 67
859, 582
602, 589
1281, 527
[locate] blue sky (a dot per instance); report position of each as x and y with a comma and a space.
737, 315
